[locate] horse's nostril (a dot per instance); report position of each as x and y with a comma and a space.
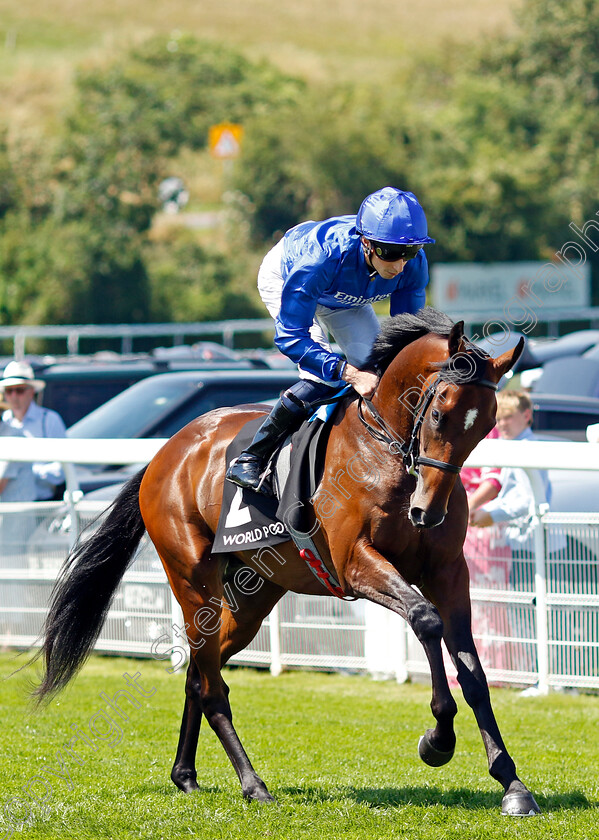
425, 519
417, 515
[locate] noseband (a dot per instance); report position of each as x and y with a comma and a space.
410, 453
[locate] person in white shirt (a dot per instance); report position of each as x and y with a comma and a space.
514, 504
17, 484
512, 511
17, 481
19, 388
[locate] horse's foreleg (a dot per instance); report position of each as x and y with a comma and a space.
373, 577
453, 599
517, 800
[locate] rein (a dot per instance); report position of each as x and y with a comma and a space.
411, 452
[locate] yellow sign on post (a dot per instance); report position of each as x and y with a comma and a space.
224, 140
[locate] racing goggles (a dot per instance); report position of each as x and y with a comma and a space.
393, 253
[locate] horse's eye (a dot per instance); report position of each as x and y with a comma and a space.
435, 415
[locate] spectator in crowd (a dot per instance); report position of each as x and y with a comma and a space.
17, 481
514, 503
482, 484
512, 511
19, 387
17, 484
488, 564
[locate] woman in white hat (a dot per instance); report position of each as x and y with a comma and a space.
19, 387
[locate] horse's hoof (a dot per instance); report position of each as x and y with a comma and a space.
258, 794
431, 755
520, 803
187, 784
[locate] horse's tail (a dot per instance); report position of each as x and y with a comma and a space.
84, 589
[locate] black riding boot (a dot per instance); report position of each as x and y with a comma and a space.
285, 417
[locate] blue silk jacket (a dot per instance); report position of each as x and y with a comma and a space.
323, 264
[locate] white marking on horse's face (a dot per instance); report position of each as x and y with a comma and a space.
471, 416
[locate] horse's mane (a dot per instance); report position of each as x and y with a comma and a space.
400, 330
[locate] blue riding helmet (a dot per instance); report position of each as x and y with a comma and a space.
393, 216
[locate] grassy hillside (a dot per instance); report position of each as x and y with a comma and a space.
42, 40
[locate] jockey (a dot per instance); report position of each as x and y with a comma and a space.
324, 276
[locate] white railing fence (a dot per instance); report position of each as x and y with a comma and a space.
126, 334
535, 614
73, 334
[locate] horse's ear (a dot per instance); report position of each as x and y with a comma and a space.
508, 359
455, 338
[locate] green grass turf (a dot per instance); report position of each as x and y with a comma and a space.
338, 753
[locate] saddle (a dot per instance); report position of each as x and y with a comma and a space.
250, 520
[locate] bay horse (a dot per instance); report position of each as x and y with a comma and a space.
395, 539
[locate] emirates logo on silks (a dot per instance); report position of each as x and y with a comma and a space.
353, 300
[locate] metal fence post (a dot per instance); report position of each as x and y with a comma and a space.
401, 666
274, 628
72, 495
385, 643
540, 581
73, 343
177, 620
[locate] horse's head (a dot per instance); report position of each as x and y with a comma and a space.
456, 410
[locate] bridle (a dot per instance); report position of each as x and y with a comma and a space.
410, 452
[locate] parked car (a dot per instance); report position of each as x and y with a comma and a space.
573, 344
74, 388
566, 365
577, 376
566, 417
563, 415
158, 406
498, 343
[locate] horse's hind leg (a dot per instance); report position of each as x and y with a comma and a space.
241, 621
184, 479
195, 578
247, 603
216, 708
200, 596
184, 773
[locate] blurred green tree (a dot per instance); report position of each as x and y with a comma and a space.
498, 142
185, 278
321, 157
76, 247
8, 186
556, 59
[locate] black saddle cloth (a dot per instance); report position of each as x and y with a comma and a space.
251, 520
